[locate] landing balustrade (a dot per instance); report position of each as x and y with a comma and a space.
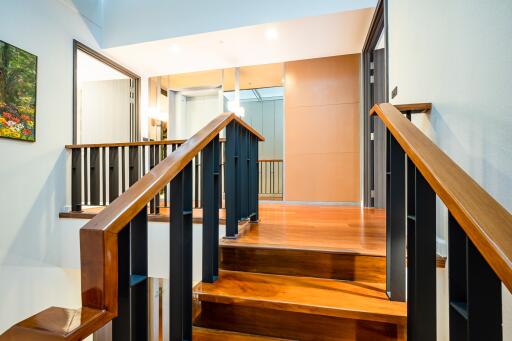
479, 241
101, 172
133, 179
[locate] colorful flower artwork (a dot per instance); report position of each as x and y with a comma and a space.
18, 89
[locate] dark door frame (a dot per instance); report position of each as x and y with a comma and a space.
134, 112
378, 25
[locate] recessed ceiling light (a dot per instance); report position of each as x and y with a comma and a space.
271, 33
175, 48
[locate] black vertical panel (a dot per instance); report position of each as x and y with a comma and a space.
395, 222
139, 276
474, 291
104, 176
457, 274
254, 179
221, 173
196, 182
231, 181
76, 180
484, 298
244, 174
181, 256
113, 173
86, 177
95, 175
210, 204
121, 324
421, 262
133, 164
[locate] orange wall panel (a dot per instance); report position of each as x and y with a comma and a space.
322, 118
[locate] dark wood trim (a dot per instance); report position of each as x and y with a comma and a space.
124, 144
487, 224
415, 108
107, 61
377, 26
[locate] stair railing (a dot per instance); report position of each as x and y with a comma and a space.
113, 245
480, 236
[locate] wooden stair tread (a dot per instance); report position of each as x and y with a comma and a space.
239, 244
355, 300
205, 334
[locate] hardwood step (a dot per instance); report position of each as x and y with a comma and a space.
300, 308
205, 334
317, 262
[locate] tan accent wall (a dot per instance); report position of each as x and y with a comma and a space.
322, 129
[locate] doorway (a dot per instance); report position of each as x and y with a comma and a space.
105, 99
375, 77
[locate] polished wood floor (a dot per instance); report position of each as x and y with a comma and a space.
204, 334
337, 228
355, 300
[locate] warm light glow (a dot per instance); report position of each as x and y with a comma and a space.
237, 109
157, 114
175, 48
271, 33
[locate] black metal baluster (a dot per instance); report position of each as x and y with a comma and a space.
94, 164
133, 160
395, 220
113, 173
210, 204
86, 177
421, 257
104, 175
123, 170
166, 202
132, 320
231, 180
76, 180
181, 256
157, 161
152, 208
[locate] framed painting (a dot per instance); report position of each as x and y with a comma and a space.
18, 89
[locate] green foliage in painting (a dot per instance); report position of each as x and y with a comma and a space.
18, 87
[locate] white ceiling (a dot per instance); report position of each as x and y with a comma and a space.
310, 37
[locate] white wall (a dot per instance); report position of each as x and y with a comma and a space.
458, 55
34, 175
135, 21
104, 111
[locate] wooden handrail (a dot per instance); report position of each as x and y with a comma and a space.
124, 144
99, 247
270, 160
140, 143
483, 219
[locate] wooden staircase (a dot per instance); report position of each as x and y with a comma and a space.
308, 292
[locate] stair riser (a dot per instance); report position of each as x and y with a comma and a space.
293, 325
308, 263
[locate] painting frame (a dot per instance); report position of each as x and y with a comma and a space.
33, 136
